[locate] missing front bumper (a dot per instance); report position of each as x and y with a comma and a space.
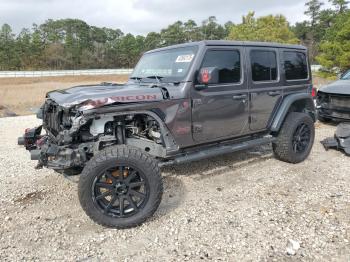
50, 154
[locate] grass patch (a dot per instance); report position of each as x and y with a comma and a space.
24, 95
326, 75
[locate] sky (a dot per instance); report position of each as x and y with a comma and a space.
142, 16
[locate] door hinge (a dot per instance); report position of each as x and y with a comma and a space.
197, 128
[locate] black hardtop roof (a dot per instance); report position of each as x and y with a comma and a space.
231, 43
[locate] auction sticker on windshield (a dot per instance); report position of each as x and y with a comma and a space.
184, 58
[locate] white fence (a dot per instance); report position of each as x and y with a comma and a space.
65, 73
316, 68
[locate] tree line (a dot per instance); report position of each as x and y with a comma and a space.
73, 44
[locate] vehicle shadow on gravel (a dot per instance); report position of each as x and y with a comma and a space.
173, 196
221, 164
174, 188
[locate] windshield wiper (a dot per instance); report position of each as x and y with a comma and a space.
158, 78
136, 78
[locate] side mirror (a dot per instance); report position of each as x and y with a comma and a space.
207, 76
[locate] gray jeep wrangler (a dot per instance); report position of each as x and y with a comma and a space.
182, 103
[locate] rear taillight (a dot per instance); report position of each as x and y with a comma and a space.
314, 92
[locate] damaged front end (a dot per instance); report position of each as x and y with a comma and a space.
69, 136
58, 148
333, 106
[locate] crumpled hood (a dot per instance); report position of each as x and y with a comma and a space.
338, 87
94, 96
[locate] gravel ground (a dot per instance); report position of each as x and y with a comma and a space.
245, 206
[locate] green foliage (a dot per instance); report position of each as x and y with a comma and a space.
211, 30
73, 44
152, 41
316, 30
313, 10
340, 5
335, 48
180, 32
325, 74
9, 57
267, 28
174, 34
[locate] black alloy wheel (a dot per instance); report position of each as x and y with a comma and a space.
120, 187
295, 139
121, 191
301, 138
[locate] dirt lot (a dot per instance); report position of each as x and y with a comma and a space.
239, 207
24, 95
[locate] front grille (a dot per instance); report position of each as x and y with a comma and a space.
334, 101
52, 117
340, 101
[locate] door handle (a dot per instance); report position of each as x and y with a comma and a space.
239, 97
274, 93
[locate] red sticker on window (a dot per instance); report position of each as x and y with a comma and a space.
205, 76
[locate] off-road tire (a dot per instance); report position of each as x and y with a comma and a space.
126, 155
283, 146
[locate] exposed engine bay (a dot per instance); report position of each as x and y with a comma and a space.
72, 138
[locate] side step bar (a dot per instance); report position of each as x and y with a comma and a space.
216, 151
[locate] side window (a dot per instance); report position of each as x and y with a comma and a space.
295, 65
264, 65
227, 61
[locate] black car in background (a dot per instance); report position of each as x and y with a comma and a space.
333, 100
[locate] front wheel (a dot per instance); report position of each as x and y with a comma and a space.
120, 187
295, 139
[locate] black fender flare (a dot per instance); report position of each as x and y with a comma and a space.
285, 106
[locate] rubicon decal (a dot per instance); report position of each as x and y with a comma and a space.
134, 98
90, 104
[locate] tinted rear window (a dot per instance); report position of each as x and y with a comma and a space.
227, 61
264, 65
295, 65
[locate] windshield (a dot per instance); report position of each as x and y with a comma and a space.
170, 65
346, 76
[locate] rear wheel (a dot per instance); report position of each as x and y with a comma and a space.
296, 138
120, 187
